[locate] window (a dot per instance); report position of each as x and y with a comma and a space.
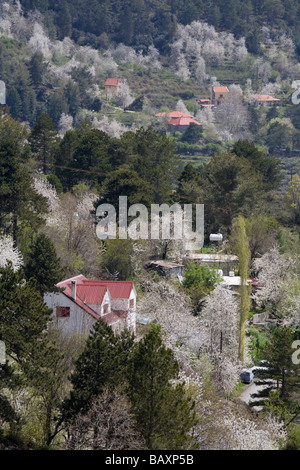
62, 312
105, 308
131, 303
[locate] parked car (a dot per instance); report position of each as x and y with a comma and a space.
246, 376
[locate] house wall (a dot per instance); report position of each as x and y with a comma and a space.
79, 320
218, 96
130, 322
123, 304
180, 128
98, 308
112, 90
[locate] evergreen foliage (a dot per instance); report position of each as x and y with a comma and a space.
43, 265
102, 362
141, 23
163, 411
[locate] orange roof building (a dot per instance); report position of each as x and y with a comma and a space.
218, 93
182, 123
267, 100
112, 86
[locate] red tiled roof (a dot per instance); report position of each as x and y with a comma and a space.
92, 292
265, 98
117, 289
66, 284
174, 114
183, 122
112, 81
220, 89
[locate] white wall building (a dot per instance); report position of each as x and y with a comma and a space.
82, 302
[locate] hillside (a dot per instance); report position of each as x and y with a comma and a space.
187, 107
140, 23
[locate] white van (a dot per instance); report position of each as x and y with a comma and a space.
246, 376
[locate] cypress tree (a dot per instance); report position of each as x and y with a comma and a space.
243, 252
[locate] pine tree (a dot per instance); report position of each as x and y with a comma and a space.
43, 265
37, 68
163, 411
103, 361
64, 20
156, 163
43, 140
280, 378
23, 317
20, 205
24, 320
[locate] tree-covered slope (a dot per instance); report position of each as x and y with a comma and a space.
140, 23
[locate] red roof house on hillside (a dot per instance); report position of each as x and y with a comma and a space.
82, 302
266, 100
218, 93
112, 86
182, 123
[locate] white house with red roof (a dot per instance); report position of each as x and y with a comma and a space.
82, 302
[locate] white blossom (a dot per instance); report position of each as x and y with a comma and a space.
182, 71
246, 434
128, 55
162, 303
65, 124
45, 189
113, 128
39, 42
199, 39
8, 253
180, 106
232, 114
275, 272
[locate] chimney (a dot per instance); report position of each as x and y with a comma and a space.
73, 290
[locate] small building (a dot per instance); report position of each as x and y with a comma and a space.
206, 103
166, 268
226, 263
218, 93
82, 302
233, 282
264, 100
112, 86
181, 124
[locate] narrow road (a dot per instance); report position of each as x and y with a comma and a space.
245, 396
